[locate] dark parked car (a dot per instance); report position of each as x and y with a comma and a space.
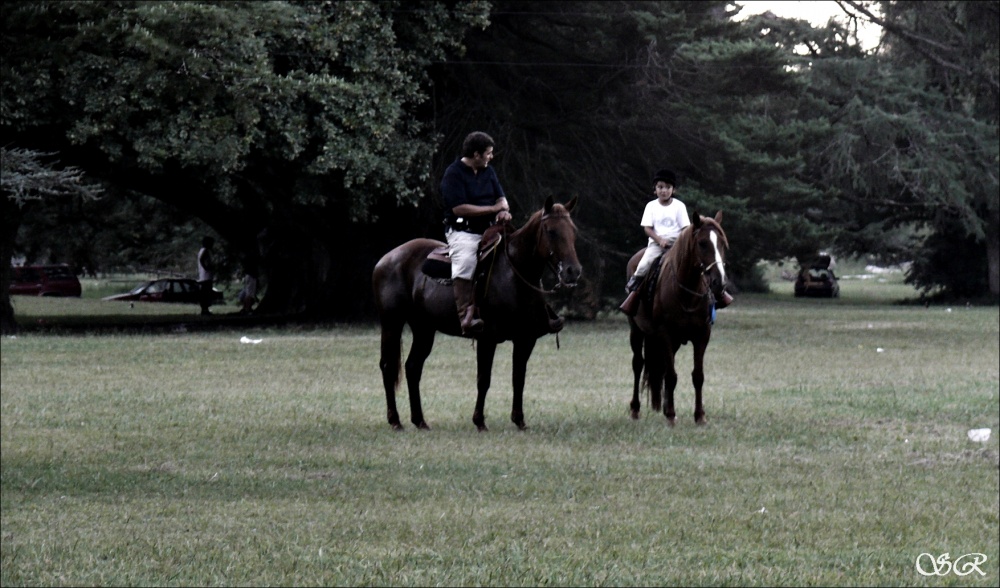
44, 280
817, 282
167, 290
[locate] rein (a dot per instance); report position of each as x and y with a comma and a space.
698, 295
548, 262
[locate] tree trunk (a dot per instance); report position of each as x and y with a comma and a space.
11, 222
993, 254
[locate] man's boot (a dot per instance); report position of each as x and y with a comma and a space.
465, 303
631, 304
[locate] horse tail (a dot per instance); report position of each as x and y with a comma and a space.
392, 321
390, 361
653, 372
391, 348
644, 383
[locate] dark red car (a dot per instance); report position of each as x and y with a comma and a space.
44, 280
183, 290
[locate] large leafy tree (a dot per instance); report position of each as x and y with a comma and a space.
28, 177
285, 126
917, 142
591, 98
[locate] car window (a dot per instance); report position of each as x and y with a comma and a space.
59, 273
27, 274
156, 287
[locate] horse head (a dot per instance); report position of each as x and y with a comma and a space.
556, 241
709, 246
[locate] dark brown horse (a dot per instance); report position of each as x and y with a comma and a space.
509, 296
692, 276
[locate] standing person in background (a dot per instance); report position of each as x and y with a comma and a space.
248, 295
206, 273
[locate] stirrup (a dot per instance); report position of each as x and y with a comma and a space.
470, 323
631, 304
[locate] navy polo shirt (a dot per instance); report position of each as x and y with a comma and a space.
460, 185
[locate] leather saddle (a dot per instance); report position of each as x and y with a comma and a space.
648, 286
437, 264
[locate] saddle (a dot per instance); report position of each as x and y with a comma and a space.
648, 286
437, 265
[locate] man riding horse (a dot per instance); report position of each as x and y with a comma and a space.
473, 201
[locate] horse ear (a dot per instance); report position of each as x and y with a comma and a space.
695, 218
571, 204
548, 205
718, 218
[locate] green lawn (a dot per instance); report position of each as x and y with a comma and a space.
836, 454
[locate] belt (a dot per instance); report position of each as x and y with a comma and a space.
469, 226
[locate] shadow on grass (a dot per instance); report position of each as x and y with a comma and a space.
152, 324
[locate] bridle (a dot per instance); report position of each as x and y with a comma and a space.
555, 265
704, 280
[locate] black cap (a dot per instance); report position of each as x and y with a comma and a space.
665, 175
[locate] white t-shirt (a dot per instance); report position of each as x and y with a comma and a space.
667, 221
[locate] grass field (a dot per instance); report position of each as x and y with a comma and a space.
836, 454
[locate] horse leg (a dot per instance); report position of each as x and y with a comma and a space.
655, 362
698, 378
423, 342
635, 339
670, 384
485, 350
522, 351
389, 364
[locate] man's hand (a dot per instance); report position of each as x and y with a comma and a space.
502, 210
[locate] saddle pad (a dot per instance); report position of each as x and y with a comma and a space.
648, 286
438, 264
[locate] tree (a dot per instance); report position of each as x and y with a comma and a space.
25, 177
287, 127
594, 97
927, 144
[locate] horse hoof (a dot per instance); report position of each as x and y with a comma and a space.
671, 421
422, 425
521, 426
396, 426
482, 428
635, 415
700, 420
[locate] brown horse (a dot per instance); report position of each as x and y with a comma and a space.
509, 296
692, 275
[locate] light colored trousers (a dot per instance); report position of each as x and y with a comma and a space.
652, 252
463, 248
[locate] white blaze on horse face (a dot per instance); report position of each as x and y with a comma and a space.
714, 238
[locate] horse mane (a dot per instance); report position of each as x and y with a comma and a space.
711, 221
509, 228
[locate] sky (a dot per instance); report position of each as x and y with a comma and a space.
817, 12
